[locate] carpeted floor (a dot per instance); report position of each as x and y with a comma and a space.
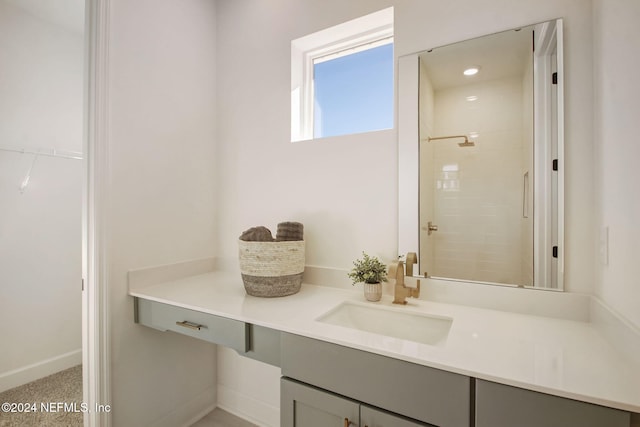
53, 401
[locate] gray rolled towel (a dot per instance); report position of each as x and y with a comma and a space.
257, 234
290, 231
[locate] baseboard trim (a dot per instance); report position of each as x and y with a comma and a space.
183, 416
35, 371
200, 416
248, 408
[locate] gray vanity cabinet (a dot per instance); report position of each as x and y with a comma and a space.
253, 341
499, 405
413, 391
326, 383
216, 329
306, 406
372, 417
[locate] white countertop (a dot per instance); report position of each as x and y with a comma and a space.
561, 357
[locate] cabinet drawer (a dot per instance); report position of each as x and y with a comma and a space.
415, 391
499, 405
218, 330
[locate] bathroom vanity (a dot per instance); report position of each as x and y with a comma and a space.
490, 368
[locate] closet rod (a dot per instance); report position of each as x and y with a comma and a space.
49, 152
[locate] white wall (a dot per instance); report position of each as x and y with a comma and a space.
162, 196
41, 81
248, 388
616, 37
40, 253
346, 205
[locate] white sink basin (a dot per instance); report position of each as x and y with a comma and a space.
396, 323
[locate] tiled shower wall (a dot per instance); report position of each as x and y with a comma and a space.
479, 190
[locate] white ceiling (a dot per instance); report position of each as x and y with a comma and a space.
65, 13
499, 55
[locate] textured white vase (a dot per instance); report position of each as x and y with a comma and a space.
373, 291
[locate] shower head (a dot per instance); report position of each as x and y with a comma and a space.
466, 142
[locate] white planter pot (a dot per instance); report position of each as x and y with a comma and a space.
373, 291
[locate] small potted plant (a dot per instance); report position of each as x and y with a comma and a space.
372, 272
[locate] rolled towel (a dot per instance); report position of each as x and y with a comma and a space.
257, 234
290, 231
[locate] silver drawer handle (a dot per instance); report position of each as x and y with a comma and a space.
190, 325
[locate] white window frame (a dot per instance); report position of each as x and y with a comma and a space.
367, 32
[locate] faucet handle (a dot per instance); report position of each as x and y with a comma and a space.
410, 259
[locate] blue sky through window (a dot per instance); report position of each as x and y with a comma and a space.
354, 93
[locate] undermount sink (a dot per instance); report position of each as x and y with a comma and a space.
391, 322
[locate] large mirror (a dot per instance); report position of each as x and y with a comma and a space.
480, 158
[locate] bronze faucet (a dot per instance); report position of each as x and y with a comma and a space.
396, 271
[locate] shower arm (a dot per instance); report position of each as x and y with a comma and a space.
435, 138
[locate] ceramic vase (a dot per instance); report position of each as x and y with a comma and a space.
373, 291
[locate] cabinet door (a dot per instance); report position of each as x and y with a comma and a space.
499, 405
372, 417
306, 406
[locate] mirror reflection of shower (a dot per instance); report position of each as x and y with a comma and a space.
497, 206
474, 195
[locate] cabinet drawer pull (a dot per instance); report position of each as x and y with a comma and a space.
190, 325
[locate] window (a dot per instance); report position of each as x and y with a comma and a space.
342, 79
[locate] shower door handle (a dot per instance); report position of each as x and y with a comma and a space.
430, 228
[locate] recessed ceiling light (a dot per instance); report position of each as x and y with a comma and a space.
471, 71
472, 98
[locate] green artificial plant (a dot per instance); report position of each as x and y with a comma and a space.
368, 270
